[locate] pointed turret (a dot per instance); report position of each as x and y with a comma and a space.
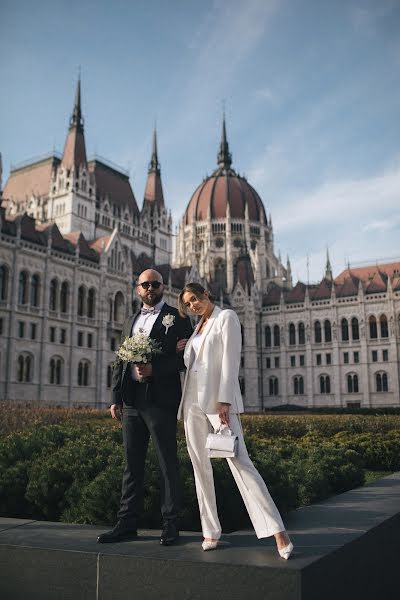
154, 192
74, 155
224, 156
328, 267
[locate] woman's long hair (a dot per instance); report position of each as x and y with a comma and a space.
194, 288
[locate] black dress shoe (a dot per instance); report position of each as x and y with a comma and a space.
120, 533
169, 534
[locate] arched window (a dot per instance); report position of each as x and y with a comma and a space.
324, 384
119, 307
91, 303
273, 386
53, 298
317, 332
298, 385
24, 368
355, 330
111, 309
384, 326
20, 368
327, 330
56, 370
268, 338
4, 276
301, 333
292, 334
373, 328
109, 376
352, 383
277, 335
242, 332
381, 380
35, 288
345, 330
23, 288
81, 300
84, 373
64, 293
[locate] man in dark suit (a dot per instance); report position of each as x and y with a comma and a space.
149, 409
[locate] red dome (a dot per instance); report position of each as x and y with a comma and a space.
224, 187
216, 192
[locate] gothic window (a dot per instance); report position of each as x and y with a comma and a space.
324, 384
84, 373
292, 334
345, 330
277, 335
109, 376
56, 370
384, 326
301, 333
268, 339
91, 304
35, 288
242, 332
81, 300
53, 294
327, 331
381, 381
317, 332
220, 272
24, 368
23, 288
298, 385
352, 383
4, 276
119, 307
373, 328
355, 330
273, 386
64, 293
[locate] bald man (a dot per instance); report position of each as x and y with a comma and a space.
149, 409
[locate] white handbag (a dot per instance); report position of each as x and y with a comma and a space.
222, 444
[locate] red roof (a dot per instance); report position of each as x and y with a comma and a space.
223, 188
33, 179
114, 186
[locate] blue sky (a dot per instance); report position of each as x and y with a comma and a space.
312, 93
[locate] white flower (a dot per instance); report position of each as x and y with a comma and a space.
168, 321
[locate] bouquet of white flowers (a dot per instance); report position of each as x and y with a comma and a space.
139, 348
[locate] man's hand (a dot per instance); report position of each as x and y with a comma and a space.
223, 412
144, 370
116, 411
180, 345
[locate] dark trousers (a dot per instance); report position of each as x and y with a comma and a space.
159, 422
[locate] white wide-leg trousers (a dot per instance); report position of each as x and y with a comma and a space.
262, 510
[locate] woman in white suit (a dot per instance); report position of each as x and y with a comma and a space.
211, 397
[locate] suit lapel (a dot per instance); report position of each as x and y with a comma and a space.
208, 327
158, 322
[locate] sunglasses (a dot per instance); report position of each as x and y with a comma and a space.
146, 284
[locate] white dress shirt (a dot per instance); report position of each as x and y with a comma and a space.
196, 343
145, 322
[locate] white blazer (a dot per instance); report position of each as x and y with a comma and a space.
218, 363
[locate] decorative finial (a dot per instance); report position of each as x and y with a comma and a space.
224, 156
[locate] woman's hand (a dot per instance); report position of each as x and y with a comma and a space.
180, 345
223, 412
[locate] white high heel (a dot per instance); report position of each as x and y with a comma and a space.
209, 545
286, 551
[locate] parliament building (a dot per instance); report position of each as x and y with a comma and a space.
73, 241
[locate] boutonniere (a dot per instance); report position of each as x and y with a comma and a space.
168, 321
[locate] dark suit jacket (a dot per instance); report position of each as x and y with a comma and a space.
164, 386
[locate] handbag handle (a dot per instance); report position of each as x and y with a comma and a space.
220, 429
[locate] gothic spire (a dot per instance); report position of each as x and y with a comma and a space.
328, 267
74, 155
224, 156
154, 165
153, 193
76, 117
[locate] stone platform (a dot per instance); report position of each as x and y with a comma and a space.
345, 548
